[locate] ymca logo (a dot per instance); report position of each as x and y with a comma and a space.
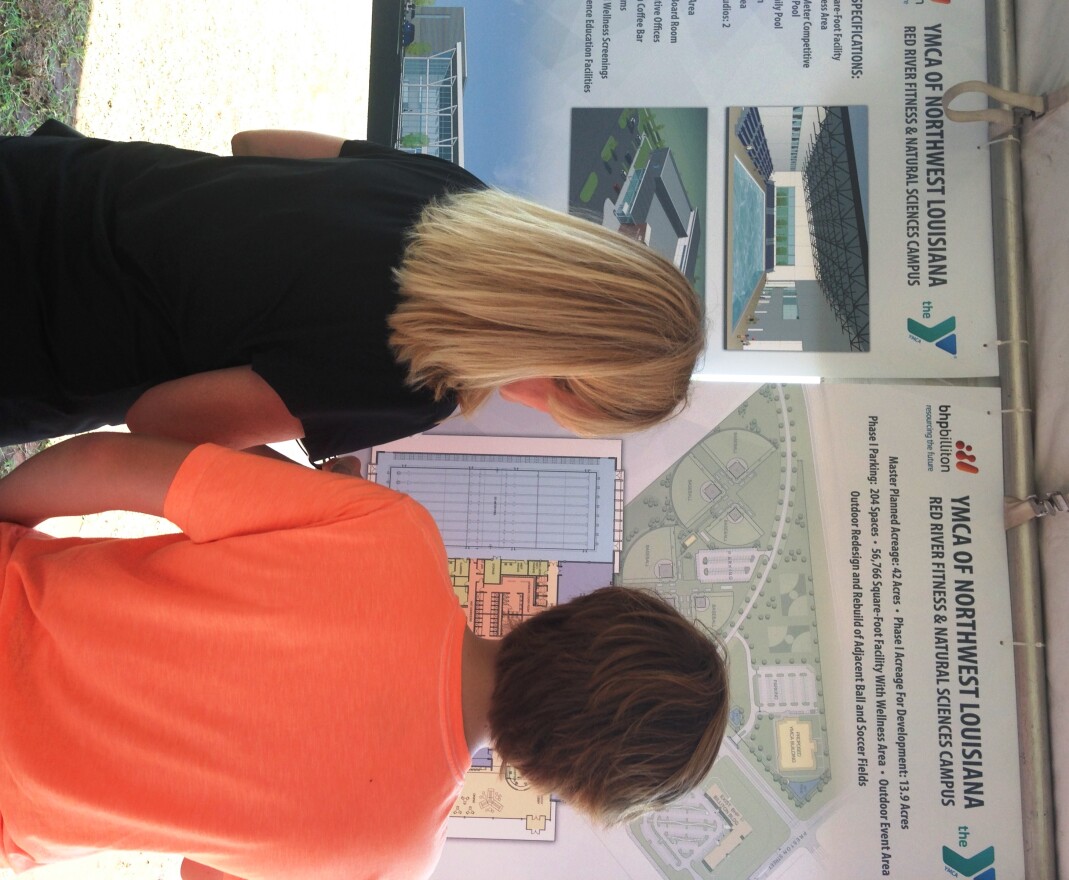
965, 460
980, 867
942, 335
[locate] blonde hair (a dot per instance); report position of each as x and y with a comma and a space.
495, 289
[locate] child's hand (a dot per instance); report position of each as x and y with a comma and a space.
349, 465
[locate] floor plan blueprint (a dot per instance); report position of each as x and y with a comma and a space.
543, 498
527, 523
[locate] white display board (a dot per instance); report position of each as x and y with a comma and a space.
847, 547
791, 156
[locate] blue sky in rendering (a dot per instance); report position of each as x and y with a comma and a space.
859, 128
496, 124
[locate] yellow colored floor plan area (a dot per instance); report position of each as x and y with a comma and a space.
497, 594
495, 804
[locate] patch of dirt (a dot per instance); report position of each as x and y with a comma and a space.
45, 61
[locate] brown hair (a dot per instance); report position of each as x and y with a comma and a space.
495, 288
614, 701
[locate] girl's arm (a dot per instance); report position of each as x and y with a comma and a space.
233, 407
282, 144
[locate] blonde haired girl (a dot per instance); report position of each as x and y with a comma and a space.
309, 287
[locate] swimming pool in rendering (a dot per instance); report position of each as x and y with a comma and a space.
748, 242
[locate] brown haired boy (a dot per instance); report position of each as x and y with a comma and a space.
289, 688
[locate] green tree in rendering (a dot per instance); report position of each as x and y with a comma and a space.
414, 140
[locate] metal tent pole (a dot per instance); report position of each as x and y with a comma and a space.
1033, 728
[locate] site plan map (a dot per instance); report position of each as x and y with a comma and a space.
726, 534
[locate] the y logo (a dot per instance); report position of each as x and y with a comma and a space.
979, 867
942, 335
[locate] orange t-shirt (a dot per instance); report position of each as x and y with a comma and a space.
274, 693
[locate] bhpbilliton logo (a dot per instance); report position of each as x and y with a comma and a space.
964, 459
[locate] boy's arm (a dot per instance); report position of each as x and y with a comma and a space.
282, 144
196, 871
92, 473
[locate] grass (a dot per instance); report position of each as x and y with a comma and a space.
42, 43
12, 456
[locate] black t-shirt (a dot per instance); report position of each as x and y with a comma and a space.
136, 263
